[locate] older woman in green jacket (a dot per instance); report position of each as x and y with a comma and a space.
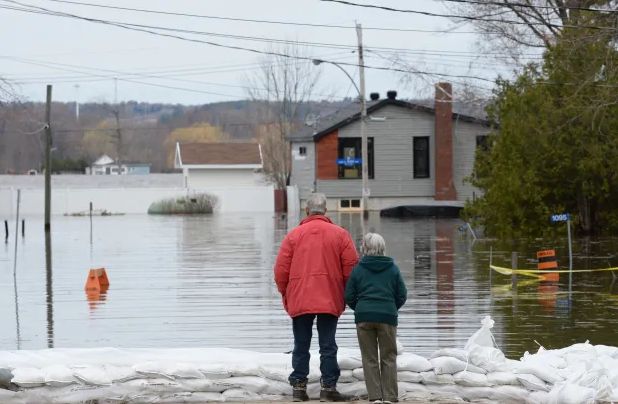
376, 291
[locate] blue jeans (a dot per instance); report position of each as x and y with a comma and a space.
327, 327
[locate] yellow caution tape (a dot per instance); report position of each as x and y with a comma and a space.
534, 272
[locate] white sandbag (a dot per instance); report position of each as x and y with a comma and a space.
470, 379
28, 377
571, 394
502, 378
184, 371
239, 395
255, 384
611, 351
531, 382
456, 353
354, 390
189, 398
348, 363
409, 391
121, 374
432, 378
482, 336
445, 392
153, 386
152, 369
203, 385
509, 394
411, 377
358, 374
346, 376
537, 397
488, 358
550, 358
545, 373
313, 390
413, 363
603, 389
474, 393
214, 371
449, 365
58, 375
349, 359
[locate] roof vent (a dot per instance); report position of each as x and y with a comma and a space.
392, 94
374, 96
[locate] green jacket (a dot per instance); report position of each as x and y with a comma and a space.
375, 290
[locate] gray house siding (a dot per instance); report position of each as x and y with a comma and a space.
393, 166
464, 150
303, 168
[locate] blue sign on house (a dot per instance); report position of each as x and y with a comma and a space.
349, 162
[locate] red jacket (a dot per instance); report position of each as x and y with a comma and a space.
314, 263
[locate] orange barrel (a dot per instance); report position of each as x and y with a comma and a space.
547, 262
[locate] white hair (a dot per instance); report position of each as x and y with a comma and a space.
373, 244
316, 203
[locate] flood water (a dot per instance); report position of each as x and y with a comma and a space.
184, 281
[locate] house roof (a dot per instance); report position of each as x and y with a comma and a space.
351, 112
220, 153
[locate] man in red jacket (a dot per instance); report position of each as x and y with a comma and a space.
313, 265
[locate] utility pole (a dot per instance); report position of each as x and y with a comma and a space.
364, 146
48, 168
76, 102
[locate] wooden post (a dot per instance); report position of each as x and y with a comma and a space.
90, 222
6, 231
23, 227
48, 143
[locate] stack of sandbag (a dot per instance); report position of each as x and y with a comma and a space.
581, 373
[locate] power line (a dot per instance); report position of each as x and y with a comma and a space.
235, 47
465, 17
302, 24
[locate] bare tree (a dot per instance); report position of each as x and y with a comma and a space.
517, 25
285, 85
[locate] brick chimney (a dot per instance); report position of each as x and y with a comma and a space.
444, 187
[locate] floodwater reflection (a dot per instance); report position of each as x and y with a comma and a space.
184, 281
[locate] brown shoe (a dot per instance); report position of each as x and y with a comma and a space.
330, 394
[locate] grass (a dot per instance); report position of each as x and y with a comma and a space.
187, 205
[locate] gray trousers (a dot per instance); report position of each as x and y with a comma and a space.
379, 367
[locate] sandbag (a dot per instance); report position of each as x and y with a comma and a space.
509, 394
474, 393
502, 378
214, 371
432, 378
121, 374
346, 376
185, 371
488, 358
203, 385
470, 379
571, 394
541, 371
537, 397
450, 365
354, 390
58, 375
152, 369
28, 377
413, 363
358, 374
456, 353
531, 382
408, 391
482, 336
411, 377
239, 395
400, 348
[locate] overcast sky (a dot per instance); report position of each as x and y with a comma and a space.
41, 49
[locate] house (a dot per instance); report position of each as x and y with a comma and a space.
418, 155
105, 165
212, 165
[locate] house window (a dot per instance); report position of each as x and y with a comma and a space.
302, 151
349, 161
421, 157
482, 143
349, 203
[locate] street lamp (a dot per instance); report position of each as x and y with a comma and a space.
363, 114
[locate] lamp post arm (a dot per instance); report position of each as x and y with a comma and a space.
344, 71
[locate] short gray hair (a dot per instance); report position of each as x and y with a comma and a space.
316, 203
373, 244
